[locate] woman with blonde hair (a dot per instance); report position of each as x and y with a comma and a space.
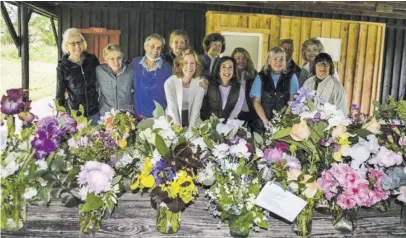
274, 87
246, 74
183, 90
178, 41
115, 81
76, 76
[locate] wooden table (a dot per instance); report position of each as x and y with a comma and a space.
134, 217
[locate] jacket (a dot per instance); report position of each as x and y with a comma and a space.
174, 96
79, 81
116, 91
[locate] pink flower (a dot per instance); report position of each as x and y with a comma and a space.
282, 146
402, 141
346, 202
386, 158
273, 155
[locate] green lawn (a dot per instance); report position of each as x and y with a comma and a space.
42, 71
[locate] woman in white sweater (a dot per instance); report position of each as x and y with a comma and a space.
185, 89
326, 85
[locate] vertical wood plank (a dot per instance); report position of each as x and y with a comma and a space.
315, 30
125, 30
351, 60
326, 29
275, 29
374, 95
305, 35
234, 20
225, 20
390, 47
359, 70
103, 42
295, 35
243, 22
253, 21
285, 28
381, 62
394, 92
265, 22
86, 18
366, 90
209, 22
335, 33
344, 45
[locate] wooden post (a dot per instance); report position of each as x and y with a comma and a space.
58, 45
25, 56
9, 25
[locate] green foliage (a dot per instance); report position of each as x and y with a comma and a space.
161, 146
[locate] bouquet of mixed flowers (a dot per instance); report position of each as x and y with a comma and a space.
237, 185
170, 169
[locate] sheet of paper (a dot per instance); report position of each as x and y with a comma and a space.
283, 203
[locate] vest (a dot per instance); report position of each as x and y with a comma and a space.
215, 102
275, 98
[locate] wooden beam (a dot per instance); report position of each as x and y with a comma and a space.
30, 11
43, 8
10, 26
25, 56
55, 34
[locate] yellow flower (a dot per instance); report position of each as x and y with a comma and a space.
122, 143
343, 141
174, 189
145, 179
148, 181
337, 156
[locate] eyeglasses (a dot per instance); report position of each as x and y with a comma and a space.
79, 43
323, 64
216, 44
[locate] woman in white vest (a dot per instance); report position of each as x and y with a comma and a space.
184, 91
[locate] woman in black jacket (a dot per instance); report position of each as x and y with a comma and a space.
76, 76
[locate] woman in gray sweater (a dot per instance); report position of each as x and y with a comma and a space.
115, 81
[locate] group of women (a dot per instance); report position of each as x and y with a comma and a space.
199, 85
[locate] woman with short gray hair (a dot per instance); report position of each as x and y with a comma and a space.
115, 81
76, 76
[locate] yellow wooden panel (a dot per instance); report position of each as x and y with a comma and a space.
265, 22
225, 20
344, 41
234, 20
285, 28
295, 34
253, 21
366, 99
275, 25
376, 66
325, 29
315, 30
351, 60
359, 70
335, 33
305, 35
209, 22
243, 21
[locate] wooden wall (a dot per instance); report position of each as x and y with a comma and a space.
136, 20
360, 67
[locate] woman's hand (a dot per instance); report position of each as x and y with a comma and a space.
267, 124
204, 84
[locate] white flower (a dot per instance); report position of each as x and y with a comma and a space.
156, 157
221, 151
83, 193
240, 150
61, 153
147, 135
10, 169
72, 143
41, 164
306, 115
229, 126
125, 160
12, 156
206, 176
161, 123
30, 193
259, 153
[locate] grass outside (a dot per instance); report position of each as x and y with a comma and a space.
42, 70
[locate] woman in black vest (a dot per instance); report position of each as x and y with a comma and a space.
225, 96
246, 75
273, 89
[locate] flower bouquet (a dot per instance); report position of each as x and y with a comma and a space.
170, 169
237, 185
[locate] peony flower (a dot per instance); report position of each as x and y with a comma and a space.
96, 177
273, 155
372, 126
300, 132
386, 158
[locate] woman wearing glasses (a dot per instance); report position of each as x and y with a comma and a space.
76, 76
272, 90
325, 84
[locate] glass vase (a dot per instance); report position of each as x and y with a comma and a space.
382, 206
16, 213
167, 222
323, 206
238, 228
346, 220
302, 226
403, 215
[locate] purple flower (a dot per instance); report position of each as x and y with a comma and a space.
68, 124
304, 95
95, 177
159, 167
273, 155
245, 179
336, 147
15, 101
354, 107
234, 140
